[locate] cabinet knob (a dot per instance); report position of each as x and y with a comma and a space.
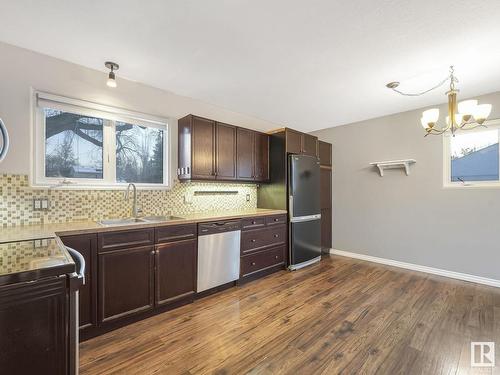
254, 222
153, 252
276, 235
276, 257
252, 240
276, 219
253, 263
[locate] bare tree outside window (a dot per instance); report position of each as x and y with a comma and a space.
73, 145
139, 153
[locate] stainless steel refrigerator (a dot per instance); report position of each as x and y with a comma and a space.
304, 210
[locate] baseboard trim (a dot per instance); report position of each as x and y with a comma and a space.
417, 267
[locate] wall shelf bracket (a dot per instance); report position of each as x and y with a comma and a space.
392, 164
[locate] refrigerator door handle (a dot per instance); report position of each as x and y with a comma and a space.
302, 219
290, 206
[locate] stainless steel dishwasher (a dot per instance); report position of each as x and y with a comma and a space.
218, 253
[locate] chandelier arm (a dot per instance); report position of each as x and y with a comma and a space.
422, 92
474, 126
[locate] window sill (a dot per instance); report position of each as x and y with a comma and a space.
476, 185
99, 187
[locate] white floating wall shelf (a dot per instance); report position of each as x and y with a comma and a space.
392, 164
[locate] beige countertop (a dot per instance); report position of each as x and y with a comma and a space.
31, 232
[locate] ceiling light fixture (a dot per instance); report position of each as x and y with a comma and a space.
465, 115
111, 76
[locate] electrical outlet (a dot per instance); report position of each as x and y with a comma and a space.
248, 197
40, 204
188, 199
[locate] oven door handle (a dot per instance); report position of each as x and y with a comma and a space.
79, 262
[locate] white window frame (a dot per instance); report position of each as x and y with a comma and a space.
111, 115
447, 183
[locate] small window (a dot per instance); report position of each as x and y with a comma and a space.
139, 154
82, 144
472, 158
73, 145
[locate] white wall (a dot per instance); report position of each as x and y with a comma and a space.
21, 70
410, 219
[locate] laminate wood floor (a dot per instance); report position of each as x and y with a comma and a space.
340, 316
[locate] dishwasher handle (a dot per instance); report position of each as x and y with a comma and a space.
218, 227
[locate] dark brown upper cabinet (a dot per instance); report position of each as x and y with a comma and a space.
301, 143
252, 155
293, 141
325, 153
225, 151
261, 152
211, 150
245, 154
309, 145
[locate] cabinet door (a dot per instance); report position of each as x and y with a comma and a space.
325, 187
325, 153
326, 228
175, 271
87, 246
203, 149
309, 145
34, 321
293, 141
125, 282
261, 157
225, 157
245, 154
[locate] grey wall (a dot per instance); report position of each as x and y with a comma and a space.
21, 70
411, 219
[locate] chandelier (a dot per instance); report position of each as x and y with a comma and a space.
466, 115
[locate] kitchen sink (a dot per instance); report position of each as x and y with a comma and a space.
138, 220
127, 221
158, 219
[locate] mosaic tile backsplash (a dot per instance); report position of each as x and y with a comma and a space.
16, 201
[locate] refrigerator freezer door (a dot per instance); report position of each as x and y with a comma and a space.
304, 186
305, 243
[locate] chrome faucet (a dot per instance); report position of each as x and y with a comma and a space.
135, 211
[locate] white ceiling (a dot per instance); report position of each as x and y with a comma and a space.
304, 64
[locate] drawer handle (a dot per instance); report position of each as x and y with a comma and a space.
276, 235
253, 240
253, 263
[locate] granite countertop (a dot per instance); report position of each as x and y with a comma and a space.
32, 232
31, 260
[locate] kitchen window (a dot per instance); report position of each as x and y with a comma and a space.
79, 144
472, 158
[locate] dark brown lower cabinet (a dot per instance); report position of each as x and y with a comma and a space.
175, 271
263, 246
35, 313
126, 282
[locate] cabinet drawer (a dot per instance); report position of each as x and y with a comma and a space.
175, 233
253, 222
276, 219
121, 239
262, 260
260, 239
